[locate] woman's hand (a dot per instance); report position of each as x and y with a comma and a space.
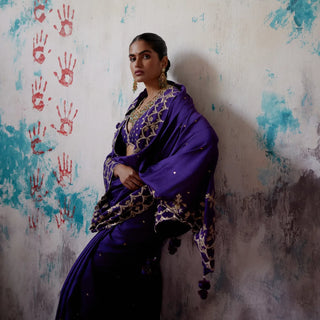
128, 177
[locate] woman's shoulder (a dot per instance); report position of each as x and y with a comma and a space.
178, 98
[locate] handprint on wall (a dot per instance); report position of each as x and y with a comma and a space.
35, 187
66, 121
33, 222
59, 219
65, 171
39, 43
35, 137
38, 92
38, 10
66, 23
66, 77
65, 211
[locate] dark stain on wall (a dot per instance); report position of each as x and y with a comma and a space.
268, 253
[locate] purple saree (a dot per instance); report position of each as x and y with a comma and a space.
175, 152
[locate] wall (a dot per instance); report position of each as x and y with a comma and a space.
252, 68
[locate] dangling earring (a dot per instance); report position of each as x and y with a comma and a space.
134, 86
163, 79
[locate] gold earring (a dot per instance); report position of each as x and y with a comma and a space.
163, 79
134, 86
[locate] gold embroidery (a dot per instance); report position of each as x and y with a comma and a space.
136, 203
153, 119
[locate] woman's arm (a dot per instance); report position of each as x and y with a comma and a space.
128, 177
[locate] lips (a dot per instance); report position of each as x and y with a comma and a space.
138, 73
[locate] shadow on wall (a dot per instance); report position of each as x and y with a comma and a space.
267, 250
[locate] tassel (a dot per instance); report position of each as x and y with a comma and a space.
204, 286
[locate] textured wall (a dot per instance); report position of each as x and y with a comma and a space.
252, 68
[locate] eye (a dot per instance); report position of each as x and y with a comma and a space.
146, 56
132, 59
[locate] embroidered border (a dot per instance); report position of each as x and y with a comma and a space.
136, 203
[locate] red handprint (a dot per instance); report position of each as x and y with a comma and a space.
66, 23
35, 139
65, 171
38, 94
66, 78
39, 11
66, 122
35, 187
66, 209
38, 47
33, 222
59, 219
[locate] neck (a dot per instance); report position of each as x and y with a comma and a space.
152, 88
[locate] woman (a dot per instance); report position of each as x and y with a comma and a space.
159, 184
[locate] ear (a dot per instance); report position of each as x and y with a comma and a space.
164, 62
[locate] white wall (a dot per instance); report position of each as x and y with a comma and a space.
252, 68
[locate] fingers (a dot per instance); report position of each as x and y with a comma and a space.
133, 181
128, 177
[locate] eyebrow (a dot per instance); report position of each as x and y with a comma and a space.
142, 52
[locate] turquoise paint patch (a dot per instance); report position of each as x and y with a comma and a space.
4, 230
4, 3
127, 13
20, 24
213, 107
37, 73
120, 98
276, 118
306, 100
198, 19
316, 49
19, 169
300, 13
17, 27
19, 82
271, 75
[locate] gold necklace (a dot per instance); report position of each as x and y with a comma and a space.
141, 109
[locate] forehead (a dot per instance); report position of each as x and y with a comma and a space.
139, 46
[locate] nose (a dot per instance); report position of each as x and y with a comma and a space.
138, 62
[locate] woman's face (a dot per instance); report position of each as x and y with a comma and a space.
145, 64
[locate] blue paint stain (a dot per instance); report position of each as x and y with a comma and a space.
199, 18
301, 13
17, 28
306, 100
271, 75
316, 49
4, 3
120, 98
20, 24
127, 13
276, 118
18, 82
37, 73
18, 165
4, 230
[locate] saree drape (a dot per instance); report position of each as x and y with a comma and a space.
175, 154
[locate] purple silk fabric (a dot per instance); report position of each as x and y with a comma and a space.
175, 154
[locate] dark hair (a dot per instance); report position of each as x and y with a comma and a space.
156, 43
